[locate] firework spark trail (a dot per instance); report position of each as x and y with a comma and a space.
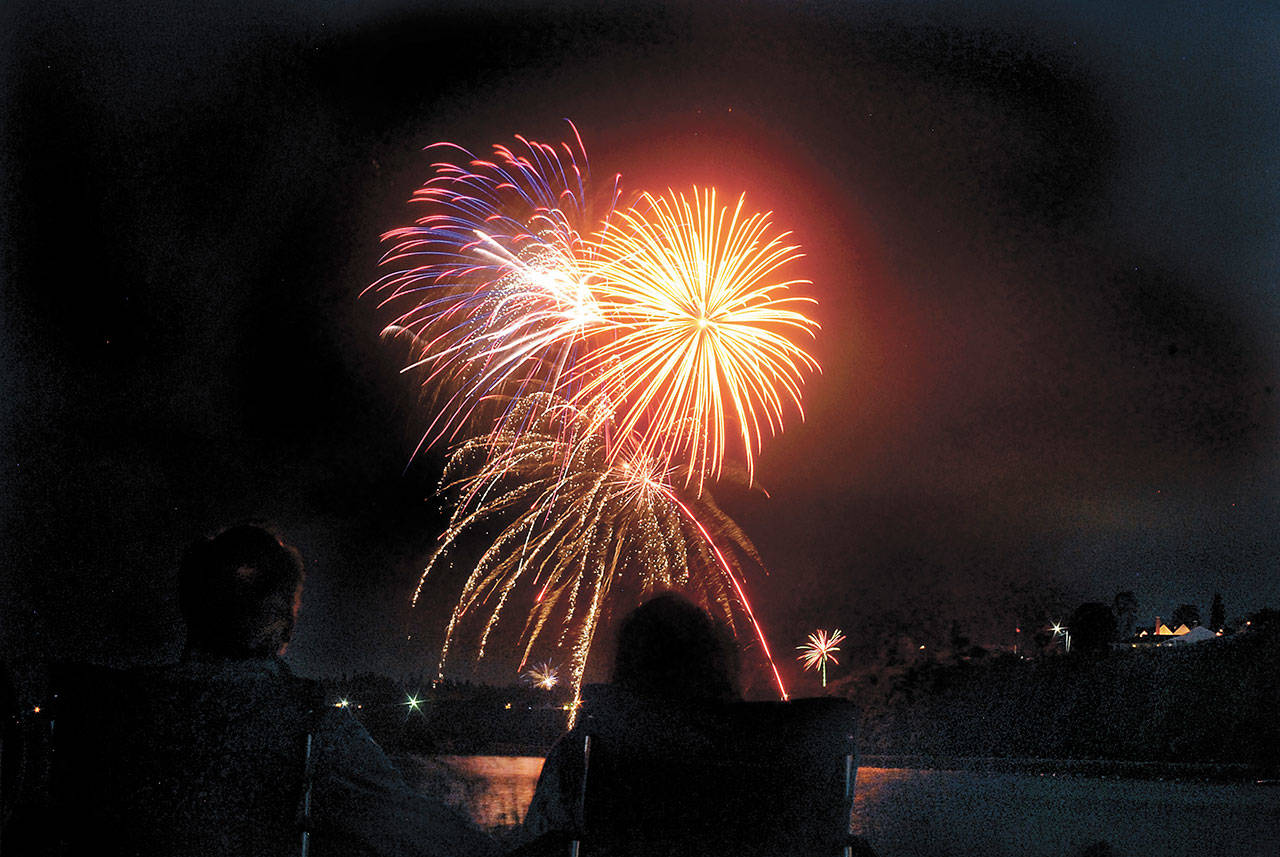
698, 329
741, 593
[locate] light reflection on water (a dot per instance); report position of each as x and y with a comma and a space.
493, 790
907, 812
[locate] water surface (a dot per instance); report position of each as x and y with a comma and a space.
926, 813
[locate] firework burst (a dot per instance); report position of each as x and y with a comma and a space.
493, 277
543, 675
820, 649
573, 526
699, 321
594, 370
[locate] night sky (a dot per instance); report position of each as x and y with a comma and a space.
1044, 242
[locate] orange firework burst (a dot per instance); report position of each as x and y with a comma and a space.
700, 319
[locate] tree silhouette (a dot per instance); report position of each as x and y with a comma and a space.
1092, 627
1217, 614
1125, 607
1186, 614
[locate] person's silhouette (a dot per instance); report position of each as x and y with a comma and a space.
213, 755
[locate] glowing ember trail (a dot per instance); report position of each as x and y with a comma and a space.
742, 596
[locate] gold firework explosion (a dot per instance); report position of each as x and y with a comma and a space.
698, 319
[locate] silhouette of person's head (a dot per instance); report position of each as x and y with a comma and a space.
239, 593
671, 648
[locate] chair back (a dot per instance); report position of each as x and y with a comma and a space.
190, 759
742, 779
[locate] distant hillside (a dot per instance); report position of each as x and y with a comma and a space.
461, 719
1211, 702
1215, 701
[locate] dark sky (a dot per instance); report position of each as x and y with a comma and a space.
1044, 244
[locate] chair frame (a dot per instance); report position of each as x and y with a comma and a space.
36, 749
849, 845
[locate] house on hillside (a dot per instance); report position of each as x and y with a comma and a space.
1161, 636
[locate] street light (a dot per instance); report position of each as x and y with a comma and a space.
1066, 636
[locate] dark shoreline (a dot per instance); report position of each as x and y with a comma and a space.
1202, 772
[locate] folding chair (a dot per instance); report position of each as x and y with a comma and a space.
195, 760
769, 779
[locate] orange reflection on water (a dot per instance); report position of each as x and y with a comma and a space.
867, 791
